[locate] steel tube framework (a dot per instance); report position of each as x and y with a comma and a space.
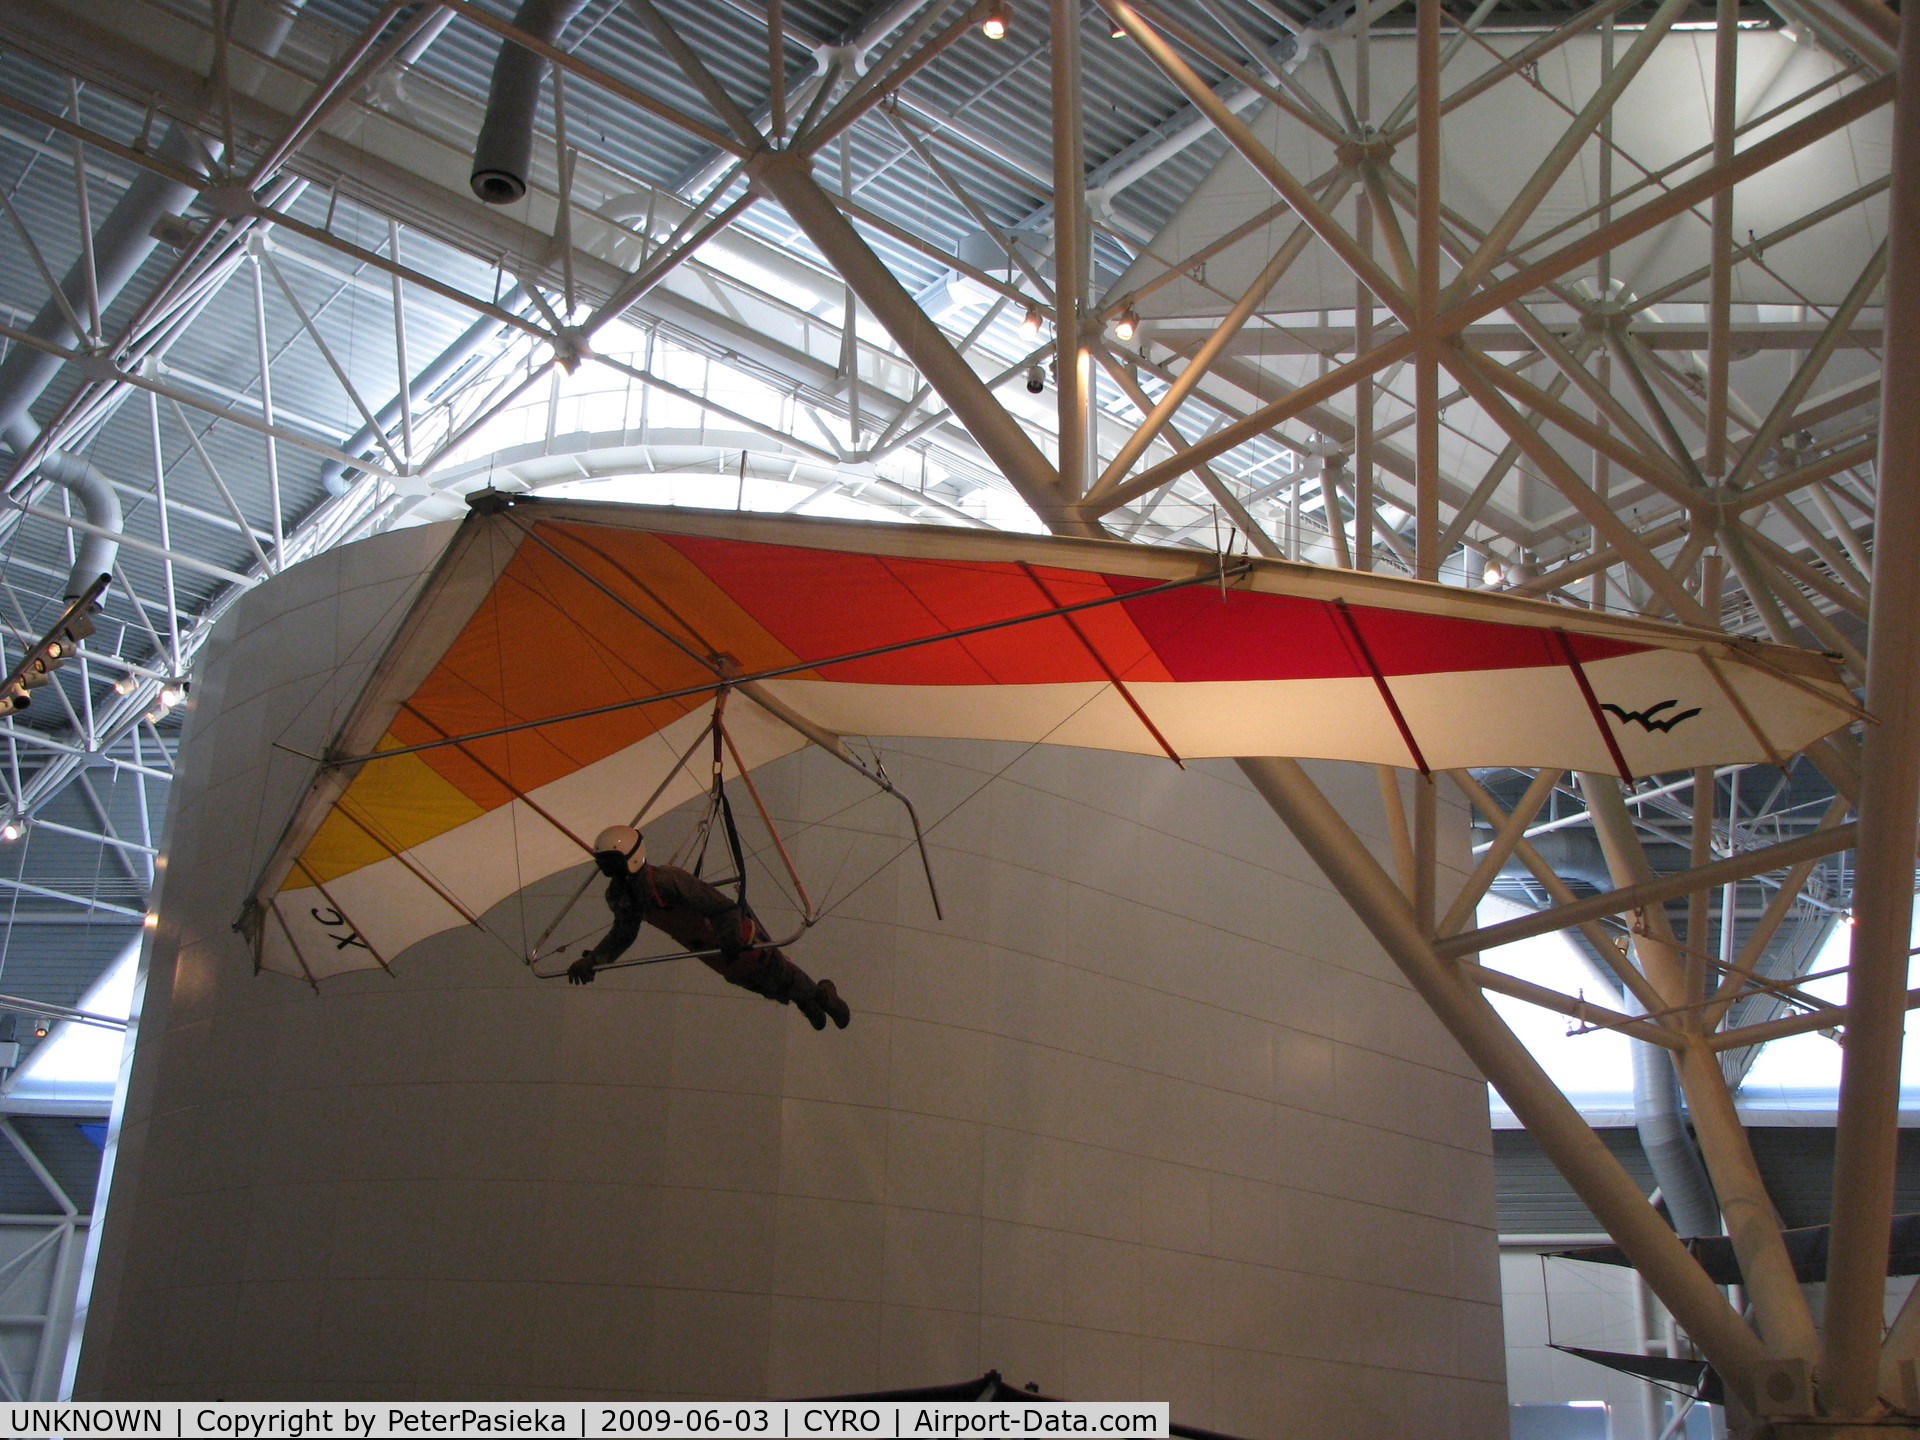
1501, 406
1889, 812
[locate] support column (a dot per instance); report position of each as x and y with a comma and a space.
1867, 1131
1073, 358
788, 177
1363, 303
1596, 1176
1752, 1223
1426, 298
1426, 399
1726, 50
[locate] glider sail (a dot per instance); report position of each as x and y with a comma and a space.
565, 657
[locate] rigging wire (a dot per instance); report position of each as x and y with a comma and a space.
959, 805
719, 808
639, 815
513, 816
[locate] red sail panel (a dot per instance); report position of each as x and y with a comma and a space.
822, 603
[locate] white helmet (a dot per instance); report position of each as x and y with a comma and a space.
625, 841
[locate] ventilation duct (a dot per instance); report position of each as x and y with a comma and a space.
96, 552
122, 244
120, 247
1671, 1151
504, 152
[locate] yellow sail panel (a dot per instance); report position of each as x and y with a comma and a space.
389, 808
372, 913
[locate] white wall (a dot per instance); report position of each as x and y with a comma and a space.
1148, 1116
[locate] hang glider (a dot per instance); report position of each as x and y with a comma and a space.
1686, 1377
564, 658
1806, 1249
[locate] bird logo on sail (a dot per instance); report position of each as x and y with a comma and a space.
1647, 717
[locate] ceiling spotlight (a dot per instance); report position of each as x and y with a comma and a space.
10, 831
1036, 380
1030, 323
40, 1029
172, 695
124, 685
151, 920
1127, 326
1118, 31
1494, 575
994, 27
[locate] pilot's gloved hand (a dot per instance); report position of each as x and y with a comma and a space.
581, 971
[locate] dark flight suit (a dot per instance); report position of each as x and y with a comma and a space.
700, 917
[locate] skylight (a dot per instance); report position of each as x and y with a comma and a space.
76, 1068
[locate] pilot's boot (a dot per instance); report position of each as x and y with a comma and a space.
807, 1002
778, 978
828, 999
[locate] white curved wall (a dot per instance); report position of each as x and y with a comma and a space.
1148, 1117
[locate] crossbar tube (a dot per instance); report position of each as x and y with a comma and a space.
1743, 866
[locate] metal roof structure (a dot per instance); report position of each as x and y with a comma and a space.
1583, 302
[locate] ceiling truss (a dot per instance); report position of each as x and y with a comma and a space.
1484, 394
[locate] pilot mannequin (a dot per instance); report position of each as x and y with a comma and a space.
704, 920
